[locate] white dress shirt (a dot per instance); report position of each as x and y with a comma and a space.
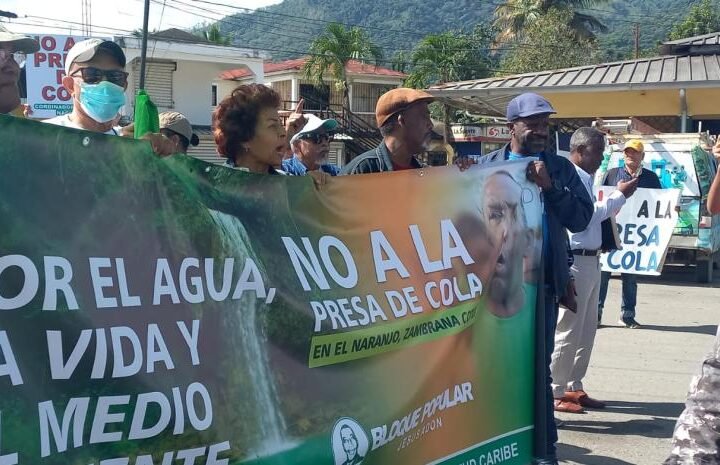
591, 237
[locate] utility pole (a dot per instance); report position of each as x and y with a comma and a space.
143, 52
636, 38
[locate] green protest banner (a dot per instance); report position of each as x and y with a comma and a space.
167, 311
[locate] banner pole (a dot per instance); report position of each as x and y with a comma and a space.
540, 368
143, 52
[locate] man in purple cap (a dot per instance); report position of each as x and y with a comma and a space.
567, 205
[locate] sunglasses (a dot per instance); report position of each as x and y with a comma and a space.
6, 55
92, 75
316, 138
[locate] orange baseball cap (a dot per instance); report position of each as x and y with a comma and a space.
396, 100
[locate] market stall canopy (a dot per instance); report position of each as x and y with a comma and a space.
687, 79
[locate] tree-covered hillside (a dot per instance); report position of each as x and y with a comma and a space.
286, 30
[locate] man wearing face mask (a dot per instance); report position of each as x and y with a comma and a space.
95, 76
567, 204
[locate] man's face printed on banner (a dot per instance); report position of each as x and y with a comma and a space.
504, 217
349, 442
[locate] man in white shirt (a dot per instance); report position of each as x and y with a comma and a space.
575, 333
96, 78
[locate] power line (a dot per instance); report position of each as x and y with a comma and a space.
497, 71
323, 21
226, 21
643, 16
512, 45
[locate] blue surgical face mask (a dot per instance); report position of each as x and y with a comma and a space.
102, 101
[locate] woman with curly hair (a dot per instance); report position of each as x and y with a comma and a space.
248, 130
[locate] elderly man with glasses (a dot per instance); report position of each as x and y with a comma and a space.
13, 48
311, 146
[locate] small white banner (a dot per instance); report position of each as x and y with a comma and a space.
45, 70
645, 226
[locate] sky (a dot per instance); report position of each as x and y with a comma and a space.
117, 17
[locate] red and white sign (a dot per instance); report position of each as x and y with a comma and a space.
480, 133
498, 132
45, 70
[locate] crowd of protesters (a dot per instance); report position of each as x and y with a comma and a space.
252, 136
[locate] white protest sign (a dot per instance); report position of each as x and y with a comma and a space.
45, 70
645, 226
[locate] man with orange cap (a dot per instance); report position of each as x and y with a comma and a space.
404, 120
634, 152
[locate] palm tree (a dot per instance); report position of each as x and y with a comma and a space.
333, 50
514, 15
212, 34
448, 56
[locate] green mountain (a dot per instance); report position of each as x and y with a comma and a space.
285, 30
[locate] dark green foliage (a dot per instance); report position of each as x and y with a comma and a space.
703, 18
402, 25
549, 43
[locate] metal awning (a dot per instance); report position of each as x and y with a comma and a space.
653, 86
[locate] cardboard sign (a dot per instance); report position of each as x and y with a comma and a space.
645, 225
45, 70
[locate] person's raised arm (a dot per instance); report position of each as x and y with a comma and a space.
713, 200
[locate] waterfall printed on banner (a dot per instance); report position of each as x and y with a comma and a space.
253, 342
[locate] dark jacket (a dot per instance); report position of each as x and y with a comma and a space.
376, 160
567, 205
647, 178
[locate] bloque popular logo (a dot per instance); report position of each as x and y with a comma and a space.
350, 443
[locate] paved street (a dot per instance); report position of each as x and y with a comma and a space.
643, 373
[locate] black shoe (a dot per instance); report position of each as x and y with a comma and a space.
545, 462
628, 323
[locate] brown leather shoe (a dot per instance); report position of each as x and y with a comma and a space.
566, 406
581, 398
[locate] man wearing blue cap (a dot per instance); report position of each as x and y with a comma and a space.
567, 205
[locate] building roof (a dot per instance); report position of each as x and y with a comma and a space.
178, 35
490, 96
706, 39
353, 67
669, 69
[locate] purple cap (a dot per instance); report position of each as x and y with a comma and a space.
528, 104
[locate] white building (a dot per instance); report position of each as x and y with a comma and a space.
182, 74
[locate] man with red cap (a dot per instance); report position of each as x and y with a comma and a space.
404, 120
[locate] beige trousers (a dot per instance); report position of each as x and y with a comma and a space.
575, 333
